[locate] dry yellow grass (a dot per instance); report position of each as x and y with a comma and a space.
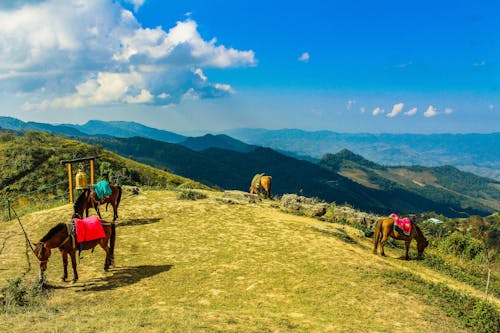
184, 266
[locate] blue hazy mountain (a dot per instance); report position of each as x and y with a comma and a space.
477, 153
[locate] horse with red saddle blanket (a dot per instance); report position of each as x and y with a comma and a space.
77, 235
401, 229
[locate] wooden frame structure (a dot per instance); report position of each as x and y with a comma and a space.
70, 172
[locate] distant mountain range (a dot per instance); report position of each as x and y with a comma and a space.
477, 153
220, 160
344, 177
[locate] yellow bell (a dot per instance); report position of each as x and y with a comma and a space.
80, 179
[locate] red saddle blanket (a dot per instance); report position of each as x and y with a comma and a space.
402, 225
89, 229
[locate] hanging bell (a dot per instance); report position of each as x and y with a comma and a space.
80, 179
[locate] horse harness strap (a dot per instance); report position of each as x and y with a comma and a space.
71, 234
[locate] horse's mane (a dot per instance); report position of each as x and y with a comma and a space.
80, 201
52, 232
419, 232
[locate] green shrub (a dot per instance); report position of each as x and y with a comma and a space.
463, 246
190, 195
478, 315
189, 185
18, 294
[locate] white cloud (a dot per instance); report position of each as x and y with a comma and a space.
350, 103
430, 112
96, 52
181, 45
396, 109
377, 111
304, 57
362, 109
448, 110
479, 64
411, 112
137, 4
491, 107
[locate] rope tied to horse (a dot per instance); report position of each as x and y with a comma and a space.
28, 243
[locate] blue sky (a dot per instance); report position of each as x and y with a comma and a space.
204, 66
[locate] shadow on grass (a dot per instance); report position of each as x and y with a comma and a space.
124, 276
134, 222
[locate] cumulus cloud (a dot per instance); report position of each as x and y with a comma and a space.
448, 110
304, 57
396, 109
411, 112
77, 53
377, 111
137, 4
430, 112
362, 109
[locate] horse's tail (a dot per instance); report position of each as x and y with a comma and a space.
119, 196
376, 236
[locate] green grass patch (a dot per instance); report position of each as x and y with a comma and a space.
340, 234
21, 295
190, 195
478, 315
469, 273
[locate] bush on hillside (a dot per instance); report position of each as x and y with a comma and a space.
18, 293
311, 207
190, 195
463, 246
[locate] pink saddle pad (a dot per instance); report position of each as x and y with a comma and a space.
89, 229
403, 226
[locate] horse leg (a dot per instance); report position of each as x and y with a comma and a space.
382, 243
107, 261
65, 265
97, 210
407, 248
73, 264
115, 212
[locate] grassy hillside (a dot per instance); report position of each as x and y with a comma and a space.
444, 184
234, 170
208, 266
31, 171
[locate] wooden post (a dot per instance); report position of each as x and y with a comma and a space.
92, 180
70, 180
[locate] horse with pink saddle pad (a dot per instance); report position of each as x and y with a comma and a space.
401, 225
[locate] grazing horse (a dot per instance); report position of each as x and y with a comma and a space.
261, 182
384, 228
62, 237
89, 199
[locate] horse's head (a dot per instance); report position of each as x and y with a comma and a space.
42, 252
421, 245
82, 202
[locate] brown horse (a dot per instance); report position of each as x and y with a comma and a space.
62, 237
384, 228
263, 184
88, 199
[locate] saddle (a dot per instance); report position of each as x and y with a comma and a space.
102, 189
402, 226
88, 229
